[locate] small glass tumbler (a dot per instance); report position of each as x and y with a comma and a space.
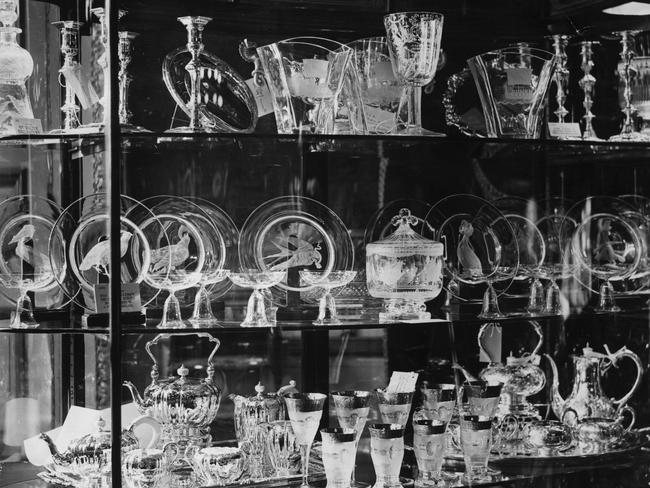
282, 447
438, 401
476, 442
339, 451
387, 452
482, 397
429, 442
394, 408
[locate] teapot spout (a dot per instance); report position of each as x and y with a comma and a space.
557, 402
135, 394
468, 376
58, 458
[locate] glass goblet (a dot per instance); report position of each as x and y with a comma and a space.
429, 441
476, 442
394, 408
305, 412
339, 450
438, 401
352, 409
387, 453
282, 447
256, 315
327, 281
202, 315
414, 44
482, 397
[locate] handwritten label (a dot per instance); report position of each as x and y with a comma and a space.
401, 382
518, 87
564, 130
519, 76
27, 126
491, 344
262, 97
130, 298
315, 68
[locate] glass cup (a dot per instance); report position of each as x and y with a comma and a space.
381, 91
305, 411
482, 397
352, 409
339, 451
476, 442
282, 447
387, 452
414, 43
394, 408
429, 442
438, 401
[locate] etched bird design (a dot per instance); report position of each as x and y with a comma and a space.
99, 256
302, 254
467, 258
172, 255
26, 251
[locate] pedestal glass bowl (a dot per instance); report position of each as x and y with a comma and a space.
324, 283
256, 313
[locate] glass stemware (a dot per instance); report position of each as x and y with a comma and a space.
429, 442
70, 51
394, 407
414, 44
476, 442
256, 313
327, 281
482, 397
125, 55
438, 401
387, 453
352, 409
305, 412
339, 450
627, 71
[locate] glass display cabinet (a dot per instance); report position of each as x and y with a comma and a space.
233, 234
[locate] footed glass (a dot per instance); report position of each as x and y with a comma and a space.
429, 442
305, 411
414, 44
476, 442
256, 313
438, 401
327, 281
339, 451
387, 453
394, 408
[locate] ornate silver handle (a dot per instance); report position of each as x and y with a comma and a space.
625, 352
155, 368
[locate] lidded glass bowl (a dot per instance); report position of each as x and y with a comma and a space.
405, 269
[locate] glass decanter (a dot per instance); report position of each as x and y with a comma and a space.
405, 269
16, 66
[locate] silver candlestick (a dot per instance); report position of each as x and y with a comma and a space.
125, 54
70, 50
628, 72
560, 43
587, 83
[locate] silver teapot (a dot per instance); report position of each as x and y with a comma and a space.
184, 406
587, 398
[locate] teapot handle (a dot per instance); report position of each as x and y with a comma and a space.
632, 414
625, 352
540, 337
151, 422
454, 82
159, 337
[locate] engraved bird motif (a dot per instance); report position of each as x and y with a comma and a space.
99, 256
26, 251
303, 254
467, 258
172, 255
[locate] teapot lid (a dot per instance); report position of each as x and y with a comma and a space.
405, 241
515, 361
